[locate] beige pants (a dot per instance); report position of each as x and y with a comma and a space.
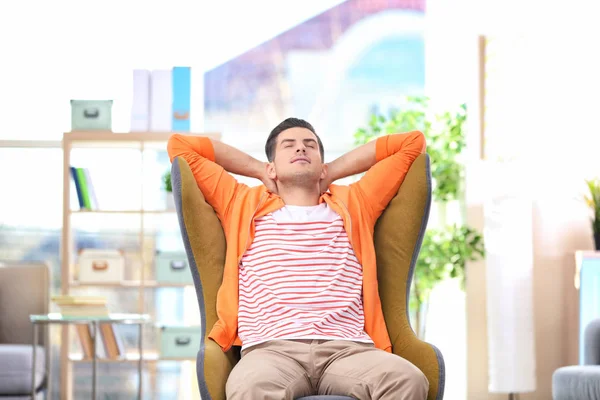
284, 369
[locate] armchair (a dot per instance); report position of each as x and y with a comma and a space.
581, 382
398, 236
24, 290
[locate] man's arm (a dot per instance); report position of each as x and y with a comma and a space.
386, 160
210, 160
236, 161
239, 163
354, 162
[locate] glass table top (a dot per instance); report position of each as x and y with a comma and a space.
112, 317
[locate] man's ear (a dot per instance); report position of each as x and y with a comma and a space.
324, 171
271, 173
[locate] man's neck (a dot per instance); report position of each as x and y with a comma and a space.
299, 196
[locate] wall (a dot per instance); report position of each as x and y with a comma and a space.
542, 111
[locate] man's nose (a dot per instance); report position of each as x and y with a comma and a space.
301, 148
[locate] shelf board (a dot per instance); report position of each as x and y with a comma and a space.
129, 357
123, 211
33, 144
108, 139
129, 284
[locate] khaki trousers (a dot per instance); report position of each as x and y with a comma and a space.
289, 369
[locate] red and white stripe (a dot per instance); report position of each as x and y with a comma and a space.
300, 280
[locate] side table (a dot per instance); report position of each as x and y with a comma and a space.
93, 322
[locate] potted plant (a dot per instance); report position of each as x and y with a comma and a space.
445, 250
593, 201
168, 190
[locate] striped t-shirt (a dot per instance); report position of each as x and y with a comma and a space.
300, 279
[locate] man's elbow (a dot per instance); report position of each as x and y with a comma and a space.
173, 144
420, 141
414, 140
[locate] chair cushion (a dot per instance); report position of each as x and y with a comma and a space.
15, 368
577, 382
38, 396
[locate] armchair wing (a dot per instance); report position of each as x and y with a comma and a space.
398, 237
205, 246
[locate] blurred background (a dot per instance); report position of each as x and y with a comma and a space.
506, 91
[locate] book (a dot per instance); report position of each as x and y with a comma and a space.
78, 300
84, 311
113, 346
86, 194
85, 339
77, 187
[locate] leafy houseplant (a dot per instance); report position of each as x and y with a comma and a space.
166, 180
593, 201
168, 190
446, 250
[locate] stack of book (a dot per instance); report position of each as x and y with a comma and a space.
91, 306
81, 306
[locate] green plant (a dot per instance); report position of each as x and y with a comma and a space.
592, 199
166, 180
444, 251
445, 140
444, 254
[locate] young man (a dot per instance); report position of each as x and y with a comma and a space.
299, 290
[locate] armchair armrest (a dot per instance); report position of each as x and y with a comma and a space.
424, 356
592, 343
212, 380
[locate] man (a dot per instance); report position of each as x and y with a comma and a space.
299, 290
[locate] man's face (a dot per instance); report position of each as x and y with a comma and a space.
297, 158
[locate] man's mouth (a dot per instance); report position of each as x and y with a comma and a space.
301, 159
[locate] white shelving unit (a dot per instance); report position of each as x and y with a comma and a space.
107, 140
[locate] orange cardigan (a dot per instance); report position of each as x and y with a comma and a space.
359, 204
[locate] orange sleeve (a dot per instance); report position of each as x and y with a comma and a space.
394, 155
217, 185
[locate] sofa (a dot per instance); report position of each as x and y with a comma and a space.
581, 382
24, 290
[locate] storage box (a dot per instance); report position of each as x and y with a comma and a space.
182, 77
179, 341
101, 266
91, 115
172, 267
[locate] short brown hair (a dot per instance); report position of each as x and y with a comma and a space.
287, 124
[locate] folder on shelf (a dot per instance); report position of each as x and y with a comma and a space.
140, 105
181, 99
161, 100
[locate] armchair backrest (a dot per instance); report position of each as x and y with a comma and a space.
24, 290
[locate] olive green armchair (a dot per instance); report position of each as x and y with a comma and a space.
398, 236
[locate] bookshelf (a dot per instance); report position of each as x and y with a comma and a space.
138, 282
